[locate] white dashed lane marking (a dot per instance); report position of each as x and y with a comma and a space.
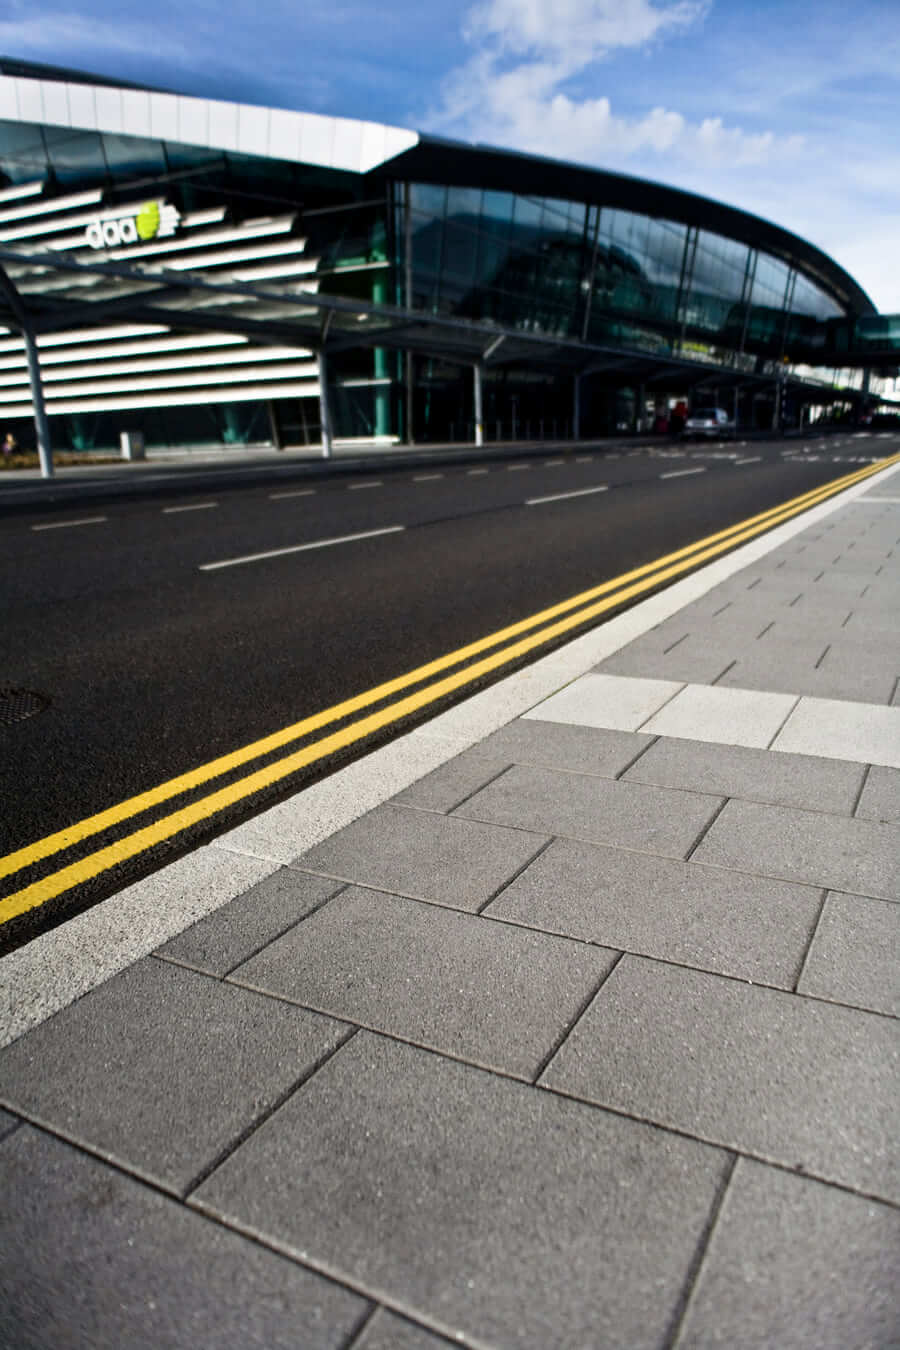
564, 496
360, 487
682, 473
299, 492
65, 524
194, 506
300, 548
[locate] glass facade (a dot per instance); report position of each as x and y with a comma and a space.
604, 275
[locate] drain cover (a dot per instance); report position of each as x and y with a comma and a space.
17, 704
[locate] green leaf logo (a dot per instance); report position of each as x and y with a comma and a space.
147, 220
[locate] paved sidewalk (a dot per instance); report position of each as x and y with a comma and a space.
587, 1037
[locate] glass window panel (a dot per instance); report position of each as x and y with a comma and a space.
76, 156
528, 213
133, 154
22, 153
427, 199
497, 211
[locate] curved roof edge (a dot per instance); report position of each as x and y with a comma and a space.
243, 128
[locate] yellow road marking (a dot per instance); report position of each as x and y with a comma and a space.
617, 592
186, 782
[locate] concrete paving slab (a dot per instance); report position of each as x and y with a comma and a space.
861, 856
698, 659
792, 1262
798, 1082
851, 683
855, 955
606, 701
161, 1069
102, 1261
880, 798
751, 928
558, 745
233, 933
497, 996
727, 716
450, 785
480, 1205
386, 1331
843, 730
445, 859
630, 815
756, 775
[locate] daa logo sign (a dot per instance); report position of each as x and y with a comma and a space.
155, 220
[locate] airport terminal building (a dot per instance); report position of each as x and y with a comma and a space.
212, 272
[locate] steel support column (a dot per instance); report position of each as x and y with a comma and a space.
479, 405
41, 426
324, 409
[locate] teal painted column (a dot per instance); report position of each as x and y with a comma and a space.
382, 392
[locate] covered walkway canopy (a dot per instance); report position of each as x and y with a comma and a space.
52, 292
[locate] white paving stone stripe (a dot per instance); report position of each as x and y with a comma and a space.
862, 733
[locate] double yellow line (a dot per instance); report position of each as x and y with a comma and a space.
549, 624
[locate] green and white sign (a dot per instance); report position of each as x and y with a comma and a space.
154, 220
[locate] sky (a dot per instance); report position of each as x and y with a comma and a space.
786, 108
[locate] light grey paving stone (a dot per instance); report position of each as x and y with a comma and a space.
727, 716
483, 1206
559, 746
446, 859
858, 684
7, 1123
757, 775
620, 703
451, 783
845, 855
698, 660
233, 933
791, 1080
630, 815
160, 1069
578, 749
499, 996
855, 956
794, 1263
880, 798
750, 927
103, 1262
386, 1331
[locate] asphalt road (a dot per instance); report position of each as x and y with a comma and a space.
148, 657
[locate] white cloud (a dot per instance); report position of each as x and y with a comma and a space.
516, 88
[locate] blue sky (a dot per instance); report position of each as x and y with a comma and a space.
789, 108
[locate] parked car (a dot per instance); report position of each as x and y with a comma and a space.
708, 422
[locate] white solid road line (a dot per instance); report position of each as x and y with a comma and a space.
360, 487
196, 506
298, 492
562, 496
299, 548
754, 459
682, 473
64, 524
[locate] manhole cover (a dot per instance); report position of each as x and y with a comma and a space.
17, 704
